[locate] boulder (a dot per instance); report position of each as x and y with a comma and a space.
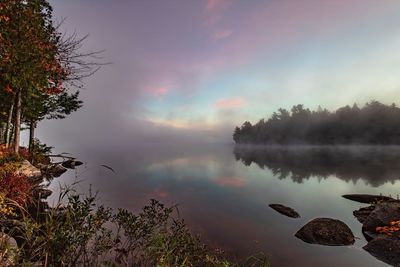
53, 171
326, 231
78, 163
287, 211
71, 164
385, 249
382, 215
367, 199
363, 213
41, 192
27, 169
8, 249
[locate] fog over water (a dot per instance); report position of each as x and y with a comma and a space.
189, 71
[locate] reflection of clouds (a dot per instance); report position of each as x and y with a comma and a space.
181, 161
158, 193
230, 181
375, 166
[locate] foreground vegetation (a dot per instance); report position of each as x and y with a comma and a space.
80, 233
373, 124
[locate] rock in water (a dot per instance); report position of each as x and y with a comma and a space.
382, 215
78, 163
385, 249
363, 213
71, 164
41, 193
53, 170
285, 210
326, 231
57, 170
367, 199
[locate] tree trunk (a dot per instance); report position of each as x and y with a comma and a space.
17, 125
3, 133
32, 126
8, 126
12, 132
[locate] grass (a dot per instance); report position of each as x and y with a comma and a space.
78, 232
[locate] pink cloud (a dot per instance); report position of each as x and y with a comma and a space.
222, 34
230, 103
214, 4
211, 4
160, 91
230, 181
214, 10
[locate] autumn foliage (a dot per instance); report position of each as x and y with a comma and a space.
36, 66
16, 187
392, 229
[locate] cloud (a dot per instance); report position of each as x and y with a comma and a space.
214, 4
214, 11
158, 92
222, 34
229, 103
179, 124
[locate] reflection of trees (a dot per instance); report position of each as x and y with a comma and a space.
375, 166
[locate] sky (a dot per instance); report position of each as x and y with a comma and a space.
186, 71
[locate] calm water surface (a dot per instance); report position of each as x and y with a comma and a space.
223, 192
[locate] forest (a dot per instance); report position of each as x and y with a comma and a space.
372, 124
41, 69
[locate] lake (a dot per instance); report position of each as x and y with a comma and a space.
223, 192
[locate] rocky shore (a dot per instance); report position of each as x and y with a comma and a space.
39, 178
381, 228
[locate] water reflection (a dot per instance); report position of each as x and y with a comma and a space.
375, 166
226, 202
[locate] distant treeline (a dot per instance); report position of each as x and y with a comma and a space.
374, 124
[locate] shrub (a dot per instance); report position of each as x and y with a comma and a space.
40, 152
81, 233
16, 187
6, 208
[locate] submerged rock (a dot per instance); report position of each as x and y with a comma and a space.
385, 249
285, 210
367, 199
326, 231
